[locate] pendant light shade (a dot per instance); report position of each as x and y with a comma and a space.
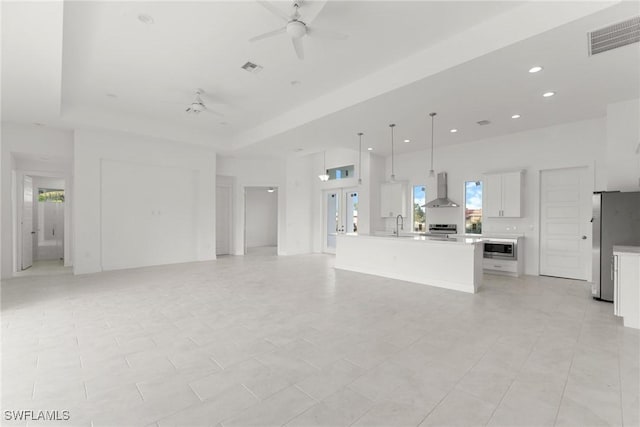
432, 172
393, 175
360, 157
325, 176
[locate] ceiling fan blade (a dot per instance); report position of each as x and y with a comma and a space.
326, 34
215, 113
273, 9
297, 45
269, 34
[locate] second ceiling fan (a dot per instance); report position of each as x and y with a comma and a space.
295, 27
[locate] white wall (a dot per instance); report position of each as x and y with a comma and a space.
254, 172
623, 146
299, 207
568, 145
124, 189
261, 217
31, 144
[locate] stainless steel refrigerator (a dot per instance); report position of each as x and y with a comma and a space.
616, 221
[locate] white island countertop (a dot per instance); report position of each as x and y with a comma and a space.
452, 263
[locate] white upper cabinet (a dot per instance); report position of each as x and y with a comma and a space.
393, 199
503, 194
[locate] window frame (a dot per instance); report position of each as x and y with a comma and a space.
412, 208
464, 208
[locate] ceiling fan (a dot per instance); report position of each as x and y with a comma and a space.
198, 106
295, 27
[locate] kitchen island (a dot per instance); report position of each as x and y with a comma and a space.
454, 263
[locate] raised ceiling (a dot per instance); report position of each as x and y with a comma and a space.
95, 64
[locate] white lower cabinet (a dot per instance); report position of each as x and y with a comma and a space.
626, 282
497, 265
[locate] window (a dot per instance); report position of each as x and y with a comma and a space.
419, 200
49, 195
343, 172
473, 207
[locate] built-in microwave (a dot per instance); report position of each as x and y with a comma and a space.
500, 249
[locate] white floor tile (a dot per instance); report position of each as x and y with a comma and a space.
264, 340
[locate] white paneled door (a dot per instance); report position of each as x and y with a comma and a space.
27, 223
340, 215
565, 227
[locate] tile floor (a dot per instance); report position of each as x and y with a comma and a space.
266, 340
45, 268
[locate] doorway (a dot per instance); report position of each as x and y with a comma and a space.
565, 227
41, 213
261, 220
223, 220
340, 215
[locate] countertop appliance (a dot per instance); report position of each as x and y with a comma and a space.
501, 249
616, 221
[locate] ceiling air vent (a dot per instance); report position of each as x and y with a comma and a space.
483, 122
614, 36
252, 68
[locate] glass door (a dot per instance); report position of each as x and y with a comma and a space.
340, 215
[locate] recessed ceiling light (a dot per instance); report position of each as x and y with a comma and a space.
271, 190
112, 95
370, 149
548, 94
453, 130
295, 82
407, 140
535, 69
145, 19
515, 116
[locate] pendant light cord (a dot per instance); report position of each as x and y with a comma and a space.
360, 157
393, 175
324, 161
432, 116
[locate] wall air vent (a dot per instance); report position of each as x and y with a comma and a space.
252, 68
614, 36
483, 122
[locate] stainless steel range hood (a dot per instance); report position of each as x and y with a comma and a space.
442, 201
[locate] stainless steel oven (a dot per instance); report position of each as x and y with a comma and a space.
501, 249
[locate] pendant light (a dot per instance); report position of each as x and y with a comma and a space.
393, 175
432, 173
360, 158
325, 176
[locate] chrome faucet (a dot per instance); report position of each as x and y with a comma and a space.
399, 223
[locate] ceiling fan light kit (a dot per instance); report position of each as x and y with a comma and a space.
295, 28
198, 106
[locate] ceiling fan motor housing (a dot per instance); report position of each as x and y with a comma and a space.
197, 107
296, 29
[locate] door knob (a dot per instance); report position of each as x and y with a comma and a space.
584, 237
